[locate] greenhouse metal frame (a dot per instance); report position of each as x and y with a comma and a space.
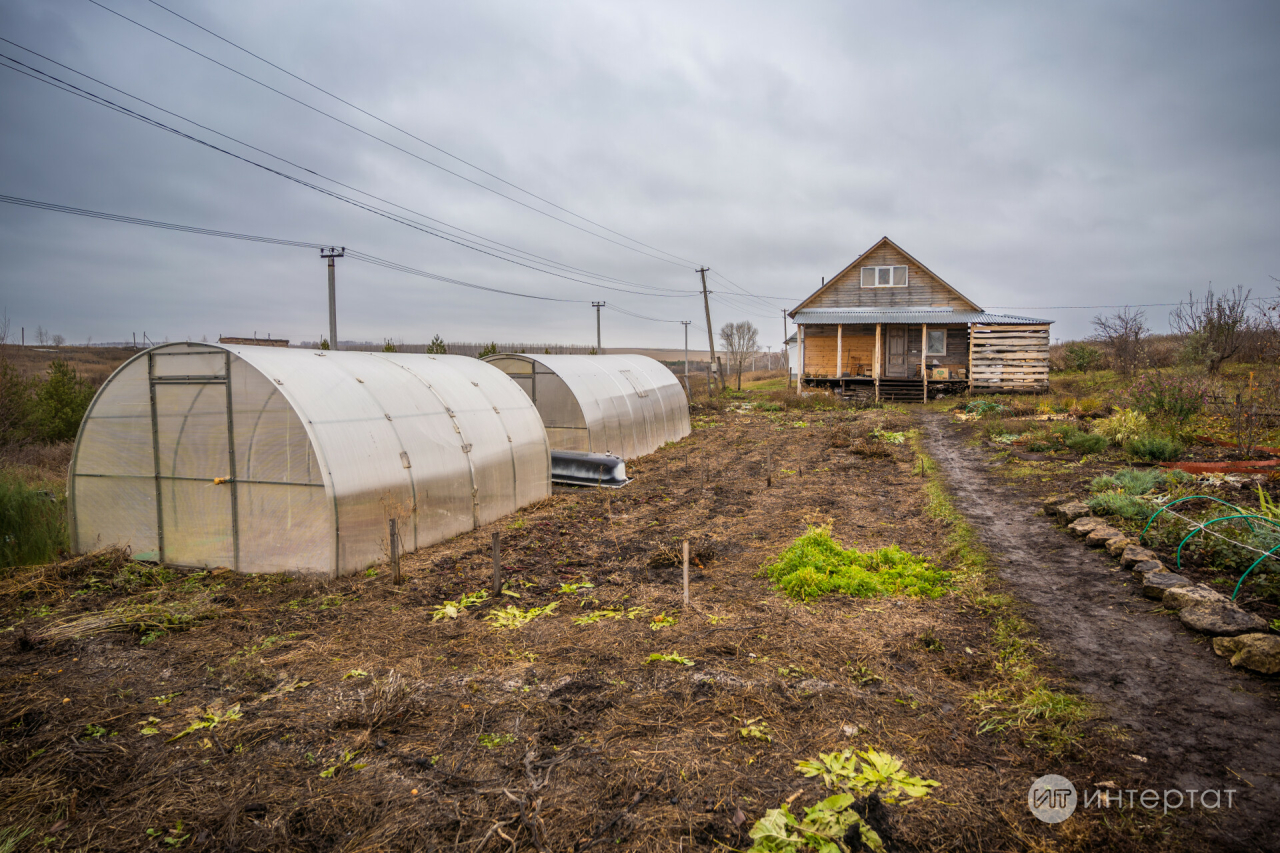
268, 459
625, 405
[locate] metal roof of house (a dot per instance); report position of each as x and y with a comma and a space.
910, 315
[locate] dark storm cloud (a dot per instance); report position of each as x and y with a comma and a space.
1093, 154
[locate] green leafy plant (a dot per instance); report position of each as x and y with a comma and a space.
513, 617
1122, 427
816, 565
494, 741
889, 437
658, 657
343, 763
209, 720
93, 730
596, 615
454, 609
824, 826
662, 620
148, 727
355, 673
1120, 504
571, 588
1086, 443
755, 729
1154, 448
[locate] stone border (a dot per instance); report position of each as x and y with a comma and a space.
1237, 634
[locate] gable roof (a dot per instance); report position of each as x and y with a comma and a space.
881, 242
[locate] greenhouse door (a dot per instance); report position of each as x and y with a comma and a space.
195, 459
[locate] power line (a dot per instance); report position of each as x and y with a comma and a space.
384, 141
254, 238
412, 136
63, 85
522, 252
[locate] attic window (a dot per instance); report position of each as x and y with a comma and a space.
884, 276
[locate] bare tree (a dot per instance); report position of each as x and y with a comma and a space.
42, 335
57, 340
1216, 325
739, 340
1122, 333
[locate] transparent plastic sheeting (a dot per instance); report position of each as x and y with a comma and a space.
270, 459
627, 405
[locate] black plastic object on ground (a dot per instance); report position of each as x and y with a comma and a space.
574, 468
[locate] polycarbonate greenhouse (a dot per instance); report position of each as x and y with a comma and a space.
269, 459
626, 405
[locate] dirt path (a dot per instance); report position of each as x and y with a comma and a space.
1200, 725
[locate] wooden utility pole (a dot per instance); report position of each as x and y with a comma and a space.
786, 350
706, 304
598, 306
687, 389
331, 253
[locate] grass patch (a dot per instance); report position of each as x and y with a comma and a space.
33, 523
816, 565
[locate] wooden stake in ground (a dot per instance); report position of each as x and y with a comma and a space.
497, 563
686, 573
768, 469
393, 538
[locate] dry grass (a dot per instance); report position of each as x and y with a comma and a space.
551, 736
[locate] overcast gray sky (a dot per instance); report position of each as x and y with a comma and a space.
1099, 153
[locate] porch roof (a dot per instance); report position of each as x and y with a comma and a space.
915, 316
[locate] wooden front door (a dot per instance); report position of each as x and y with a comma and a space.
896, 351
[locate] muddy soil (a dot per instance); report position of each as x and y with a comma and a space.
1199, 724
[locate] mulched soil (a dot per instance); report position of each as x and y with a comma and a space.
552, 736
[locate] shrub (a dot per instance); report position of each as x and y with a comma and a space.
60, 403
1118, 503
1085, 443
1130, 481
33, 528
1167, 395
815, 565
1122, 427
1154, 448
1082, 358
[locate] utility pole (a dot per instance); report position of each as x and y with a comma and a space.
687, 389
706, 304
598, 306
786, 350
331, 253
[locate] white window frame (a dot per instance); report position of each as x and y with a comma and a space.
875, 276
929, 335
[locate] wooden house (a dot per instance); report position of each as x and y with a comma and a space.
887, 326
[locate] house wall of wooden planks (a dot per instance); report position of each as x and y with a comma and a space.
1010, 358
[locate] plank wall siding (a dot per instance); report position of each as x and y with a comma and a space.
1010, 358
859, 346
923, 287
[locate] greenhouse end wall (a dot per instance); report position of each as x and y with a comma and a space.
626, 405
268, 459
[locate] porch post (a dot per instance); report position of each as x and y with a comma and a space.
969, 329
840, 351
800, 358
875, 363
924, 358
